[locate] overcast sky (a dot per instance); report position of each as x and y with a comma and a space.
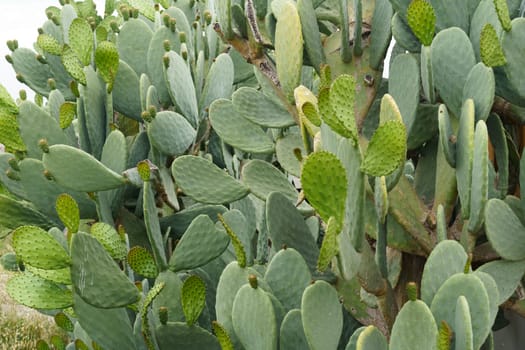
20, 19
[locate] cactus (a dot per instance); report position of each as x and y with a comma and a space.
240, 175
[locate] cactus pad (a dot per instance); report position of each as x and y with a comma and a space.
68, 212
201, 180
171, 133
342, 99
490, 49
422, 20
107, 61
141, 262
193, 298
263, 178
38, 248
36, 292
110, 240
330, 246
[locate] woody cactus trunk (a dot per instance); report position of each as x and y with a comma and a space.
239, 175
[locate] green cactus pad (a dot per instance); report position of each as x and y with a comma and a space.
386, 150
464, 155
49, 44
133, 44
95, 113
382, 34
474, 291
108, 286
110, 240
107, 61
219, 81
36, 292
492, 291
480, 86
101, 325
403, 86
68, 212
126, 93
64, 322
310, 29
288, 275
222, 336
193, 298
371, 338
10, 134
449, 13
201, 180
288, 47
260, 109
263, 178
322, 316
329, 117
342, 99
286, 227
171, 133
80, 171
169, 296
389, 110
253, 319
480, 177
452, 59
324, 183
414, 328
422, 20
237, 130
60, 276
285, 149
490, 48
141, 262
81, 40
36, 124
403, 35
200, 244
73, 65
447, 259
330, 245
238, 246
446, 138
16, 213
513, 43
67, 113
503, 14
34, 73
181, 88
292, 333
179, 335
507, 275
504, 230
463, 335
38, 248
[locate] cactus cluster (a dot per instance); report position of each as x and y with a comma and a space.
239, 175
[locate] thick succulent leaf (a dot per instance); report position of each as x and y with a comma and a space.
414, 328
386, 150
171, 133
38, 248
342, 99
68, 212
422, 20
507, 275
36, 292
504, 230
513, 43
110, 240
107, 61
205, 182
81, 40
193, 298
490, 48
263, 178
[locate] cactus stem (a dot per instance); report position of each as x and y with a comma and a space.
412, 291
468, 264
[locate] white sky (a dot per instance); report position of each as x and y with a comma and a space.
20, 19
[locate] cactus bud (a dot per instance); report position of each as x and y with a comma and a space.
20, 155
252, 279
135, 12
195, 25
13, 163
41, 59
144, 170
156, 7
152, 110
207, 17
146, 117
9, 59
52, 83
297, 153
412, 291
166, 20
163, 315
284, 246
44, 146
192, 3
182, 37
12, 45
48, 175
73, 86
173, 24
166, 60
368, 79
40, 31
49, 14
23, 94
13, 175
62, 2
39, 100
121, 232
167, 45
114, 26
20, 78
468, 264
92, 22
184, 52
125, 12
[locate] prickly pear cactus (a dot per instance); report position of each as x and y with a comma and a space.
249, 175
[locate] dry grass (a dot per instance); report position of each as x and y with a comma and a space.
21, 327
